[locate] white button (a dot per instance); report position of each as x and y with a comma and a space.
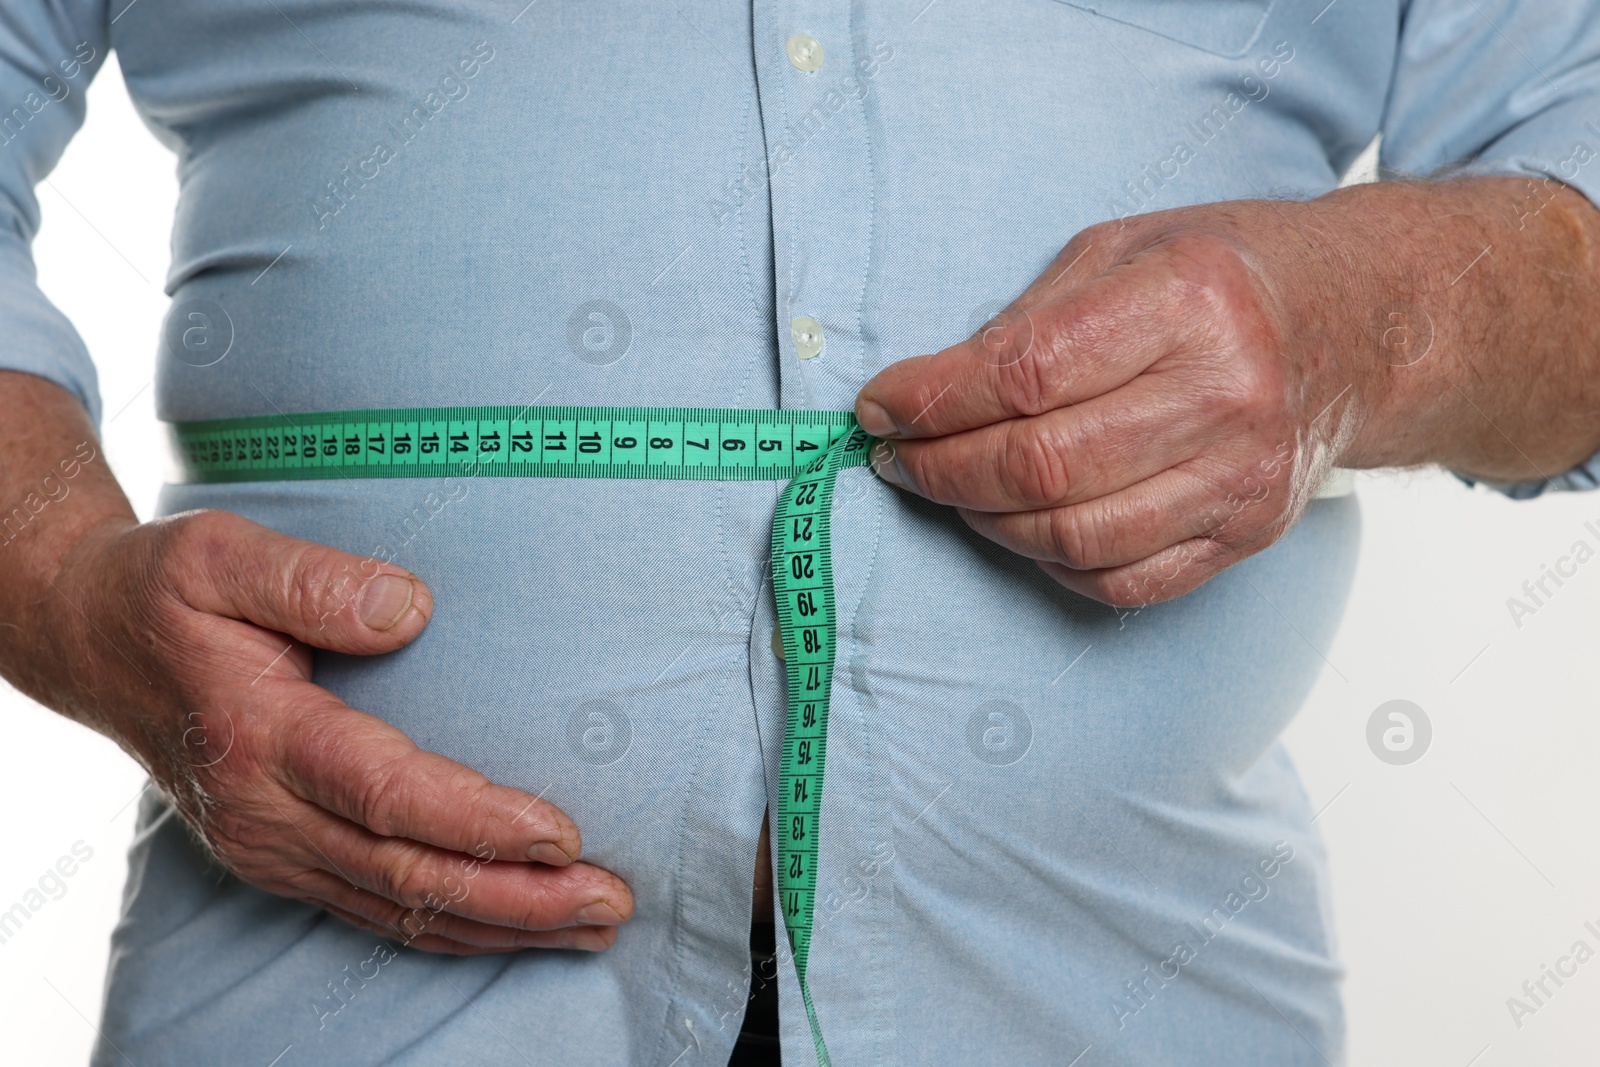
777, 642
805, 52
807, 334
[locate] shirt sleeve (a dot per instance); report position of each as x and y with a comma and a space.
49, 51
1501, 87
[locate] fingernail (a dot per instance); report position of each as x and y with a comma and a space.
549, 852
598, 914
887, 467
387, 597
586, 939
874, 418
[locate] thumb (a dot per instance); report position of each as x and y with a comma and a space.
226, 565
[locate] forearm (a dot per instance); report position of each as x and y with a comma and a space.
1470, 313
55, 487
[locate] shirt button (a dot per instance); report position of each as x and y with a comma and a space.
777, 642
807, 334
805, 52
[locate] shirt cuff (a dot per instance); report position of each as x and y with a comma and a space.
1585, 475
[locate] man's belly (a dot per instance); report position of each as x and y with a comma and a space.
607, 645
1024, 789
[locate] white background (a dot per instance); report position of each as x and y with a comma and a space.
1456, 878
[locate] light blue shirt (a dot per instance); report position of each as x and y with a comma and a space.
1050, 829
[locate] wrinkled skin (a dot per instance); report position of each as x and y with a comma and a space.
1165, 399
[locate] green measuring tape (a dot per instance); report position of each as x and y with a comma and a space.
809, 448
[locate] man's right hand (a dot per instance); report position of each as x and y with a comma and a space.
188, 640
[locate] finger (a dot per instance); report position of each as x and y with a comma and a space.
520, 895
1062, 351
370, 773
1124, 527
424, 942
413, 875
1170, 573
411, 924
581, 938
1062, 457
421, 926
228, 565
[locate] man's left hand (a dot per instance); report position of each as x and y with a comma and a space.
1166, 398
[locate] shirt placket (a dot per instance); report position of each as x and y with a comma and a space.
815, 68
810, 71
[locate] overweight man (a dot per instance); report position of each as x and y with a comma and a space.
475, 769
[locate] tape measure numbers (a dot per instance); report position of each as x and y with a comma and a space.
809, 448
802, 580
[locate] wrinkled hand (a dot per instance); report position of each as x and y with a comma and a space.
181, 623
1160, 404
